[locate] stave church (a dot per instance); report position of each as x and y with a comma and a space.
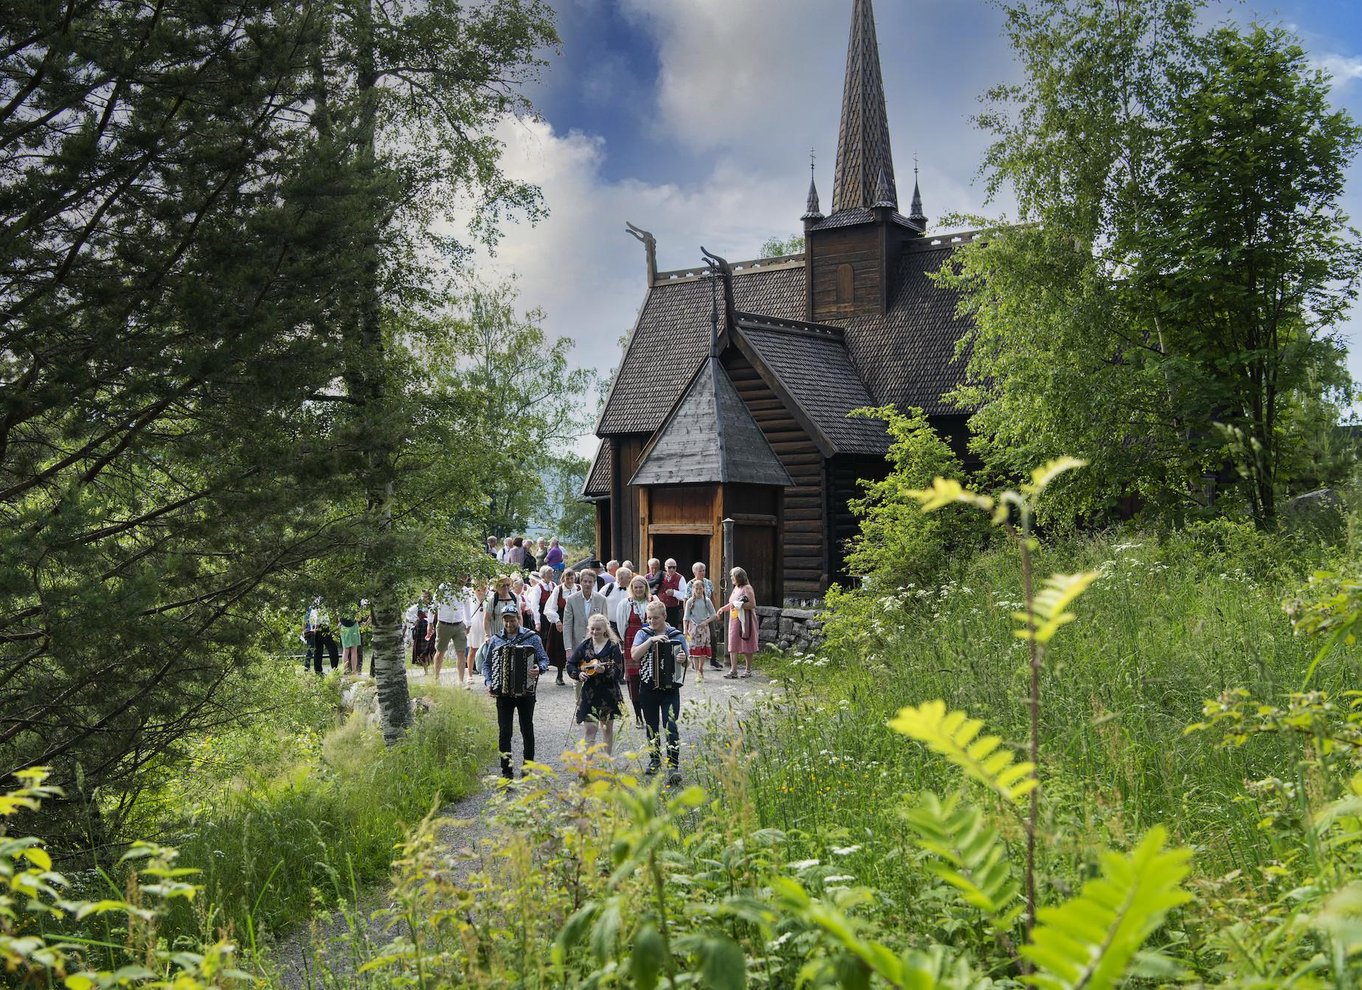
731, 399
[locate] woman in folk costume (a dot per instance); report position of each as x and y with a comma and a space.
629, 619
598, 663
497, 596
742, 624
542, 597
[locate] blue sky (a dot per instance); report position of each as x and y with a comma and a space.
694, 119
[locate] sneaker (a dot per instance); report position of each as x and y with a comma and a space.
674, 778
653, 768
716, 665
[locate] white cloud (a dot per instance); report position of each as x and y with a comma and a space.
1342, 68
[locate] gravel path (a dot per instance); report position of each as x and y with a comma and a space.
702, 703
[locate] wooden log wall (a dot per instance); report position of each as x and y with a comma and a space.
625, 508
844, 473
804, 546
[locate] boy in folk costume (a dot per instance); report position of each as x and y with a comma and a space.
660, 693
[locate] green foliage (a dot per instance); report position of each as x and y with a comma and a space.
271, 846
970, 854
1091, 940
1185, 258
898, 542
214, 392
40, 944
955, 736
777, 247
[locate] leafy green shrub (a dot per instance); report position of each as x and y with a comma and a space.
272, 848
41, 939
900, 544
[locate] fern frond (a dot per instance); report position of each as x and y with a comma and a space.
1090, 940
1049, 471
956, 737
1057, 593
973, 858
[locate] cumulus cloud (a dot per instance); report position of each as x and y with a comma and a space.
1342, 69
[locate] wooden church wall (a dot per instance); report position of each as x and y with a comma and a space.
625, 516
846, 272
844, 476
804, 548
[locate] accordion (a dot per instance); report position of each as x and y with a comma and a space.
510, 670
659, 667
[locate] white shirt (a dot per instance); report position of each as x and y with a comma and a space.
450, 606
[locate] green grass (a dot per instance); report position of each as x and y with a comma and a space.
1169, 625
271, 850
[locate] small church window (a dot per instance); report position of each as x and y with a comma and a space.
846, 284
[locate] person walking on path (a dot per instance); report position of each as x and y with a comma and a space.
351, 635
474, 603
554, 557
318, 636
698, 613
498, 596
451, 628
541, 597
669, 590
632, 616
742, 624
661, 701
513, 706
597, 664
578, 609
615, 593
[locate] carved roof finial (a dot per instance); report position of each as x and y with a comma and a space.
812, 211
649, 243
863, 151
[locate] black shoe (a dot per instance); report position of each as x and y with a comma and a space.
674, 778
560, 682
653, 768
716, 665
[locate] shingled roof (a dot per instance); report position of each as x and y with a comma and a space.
672, 336
710, 437
907, 357
904, 358
810, 369
598, 478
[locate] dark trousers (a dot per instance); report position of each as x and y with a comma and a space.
631, 682
661, 708
506, 708
675, 615
316, 642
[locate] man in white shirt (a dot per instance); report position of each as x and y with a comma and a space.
451, 618
580, 606
616, 593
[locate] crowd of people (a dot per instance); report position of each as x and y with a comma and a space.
610, 631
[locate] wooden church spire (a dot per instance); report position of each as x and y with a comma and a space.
864, 175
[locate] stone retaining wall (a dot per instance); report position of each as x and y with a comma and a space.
790, 628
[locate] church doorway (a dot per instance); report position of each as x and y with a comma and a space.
686, 548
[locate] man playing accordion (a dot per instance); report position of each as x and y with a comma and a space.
515, 659
660, 651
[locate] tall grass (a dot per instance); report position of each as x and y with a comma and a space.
272, 849
1169, 625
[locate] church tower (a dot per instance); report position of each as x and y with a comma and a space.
852, 254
